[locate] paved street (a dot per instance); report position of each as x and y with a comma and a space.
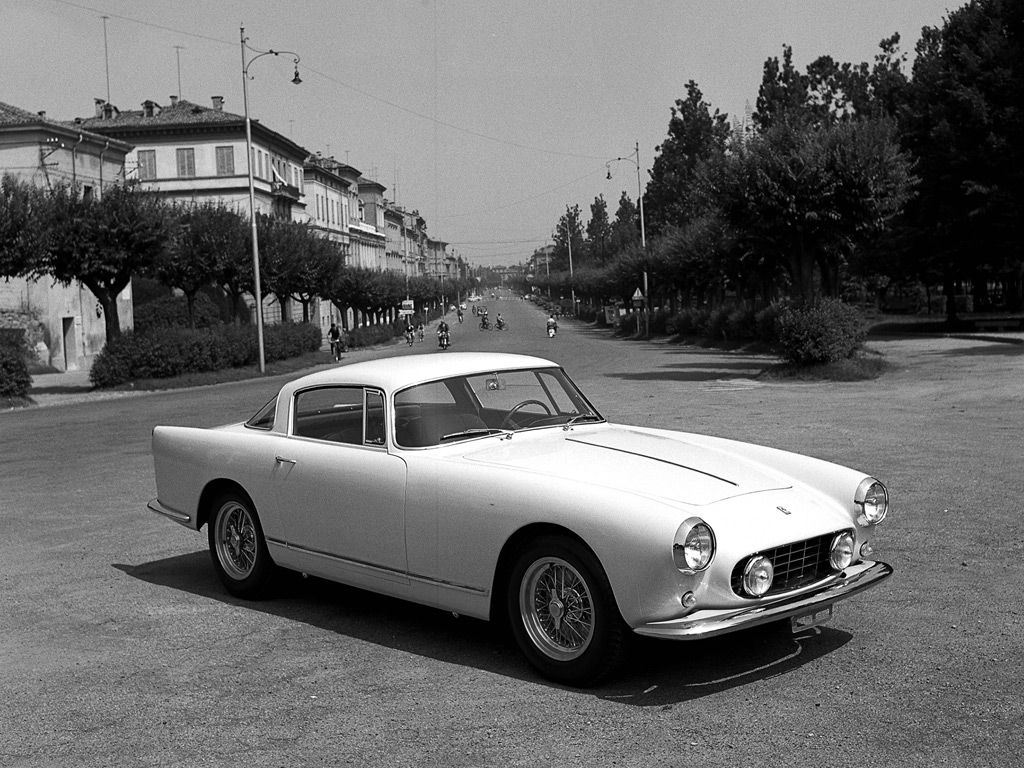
119, 647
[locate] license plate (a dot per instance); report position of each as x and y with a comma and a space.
808, 620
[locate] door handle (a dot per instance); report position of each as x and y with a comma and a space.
283, 460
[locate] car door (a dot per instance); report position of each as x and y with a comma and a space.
341, 495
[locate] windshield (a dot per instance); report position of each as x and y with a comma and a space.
474, 406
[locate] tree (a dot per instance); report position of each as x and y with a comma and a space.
694, 135
783, 95
22, 226
568, 233
102, 242
803, 197
625, 230
212, 239
964, 123
599, 230
316, 267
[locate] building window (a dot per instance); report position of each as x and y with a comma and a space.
147, 163
225, 161
186, 163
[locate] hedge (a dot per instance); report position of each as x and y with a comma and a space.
14, 377
168, 352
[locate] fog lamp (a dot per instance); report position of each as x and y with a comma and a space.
866, 550
688, 600
841, 553
758, 575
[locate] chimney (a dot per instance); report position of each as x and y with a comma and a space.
99, 107
42, 113
218, 103
174, 101
108, 110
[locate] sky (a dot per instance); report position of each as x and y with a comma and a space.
489, 117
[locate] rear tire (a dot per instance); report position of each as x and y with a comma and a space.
562, 613
237, 546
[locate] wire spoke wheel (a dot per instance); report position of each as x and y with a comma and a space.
557, 608
236, 540
237, 546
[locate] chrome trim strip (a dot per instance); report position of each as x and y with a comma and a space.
378, 568
592, 444
178, 517
693, 627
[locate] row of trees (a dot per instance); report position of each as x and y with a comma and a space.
852, 177
103, 242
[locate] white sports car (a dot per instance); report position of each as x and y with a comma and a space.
488, 485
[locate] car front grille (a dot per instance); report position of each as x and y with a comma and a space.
796, 565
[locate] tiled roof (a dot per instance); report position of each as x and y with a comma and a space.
16, 118
11, 115
182, 113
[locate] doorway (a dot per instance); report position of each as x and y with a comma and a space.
70, 346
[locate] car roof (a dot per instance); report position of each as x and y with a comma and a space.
394, 373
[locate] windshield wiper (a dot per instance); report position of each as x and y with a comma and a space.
580, 417
473, 433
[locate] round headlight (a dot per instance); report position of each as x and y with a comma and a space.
873, 500
758, 575
694, 546
841, 553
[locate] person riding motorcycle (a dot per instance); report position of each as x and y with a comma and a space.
443, 336
552, 326
499, 323
485, 323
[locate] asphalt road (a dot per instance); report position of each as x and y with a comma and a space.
119, 647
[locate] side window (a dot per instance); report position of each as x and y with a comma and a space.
374, 434
330, 413
264, 419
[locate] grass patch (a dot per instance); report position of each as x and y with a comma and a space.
858, 368
276, 368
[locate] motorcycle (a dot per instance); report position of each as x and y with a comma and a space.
500, 325
552, 330
485, 324
443, 339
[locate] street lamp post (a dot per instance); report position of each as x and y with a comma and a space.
252, 188
643, 232
568, 242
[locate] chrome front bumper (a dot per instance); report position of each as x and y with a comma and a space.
709, 623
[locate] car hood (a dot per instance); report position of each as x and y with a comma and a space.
679, 469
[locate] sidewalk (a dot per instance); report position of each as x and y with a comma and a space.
69, 387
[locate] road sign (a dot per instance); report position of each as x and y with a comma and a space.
404, 312
637, 296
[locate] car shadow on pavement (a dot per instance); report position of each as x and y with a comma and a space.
657, 673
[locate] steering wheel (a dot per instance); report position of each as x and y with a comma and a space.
515, 409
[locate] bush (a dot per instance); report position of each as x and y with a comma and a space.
824, 332
14, 377
174, 351
172, 312
766, 323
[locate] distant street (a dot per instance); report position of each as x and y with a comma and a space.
119, 647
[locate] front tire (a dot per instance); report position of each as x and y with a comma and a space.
238, 548
562, 612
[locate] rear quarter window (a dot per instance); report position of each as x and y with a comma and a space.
264, 418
